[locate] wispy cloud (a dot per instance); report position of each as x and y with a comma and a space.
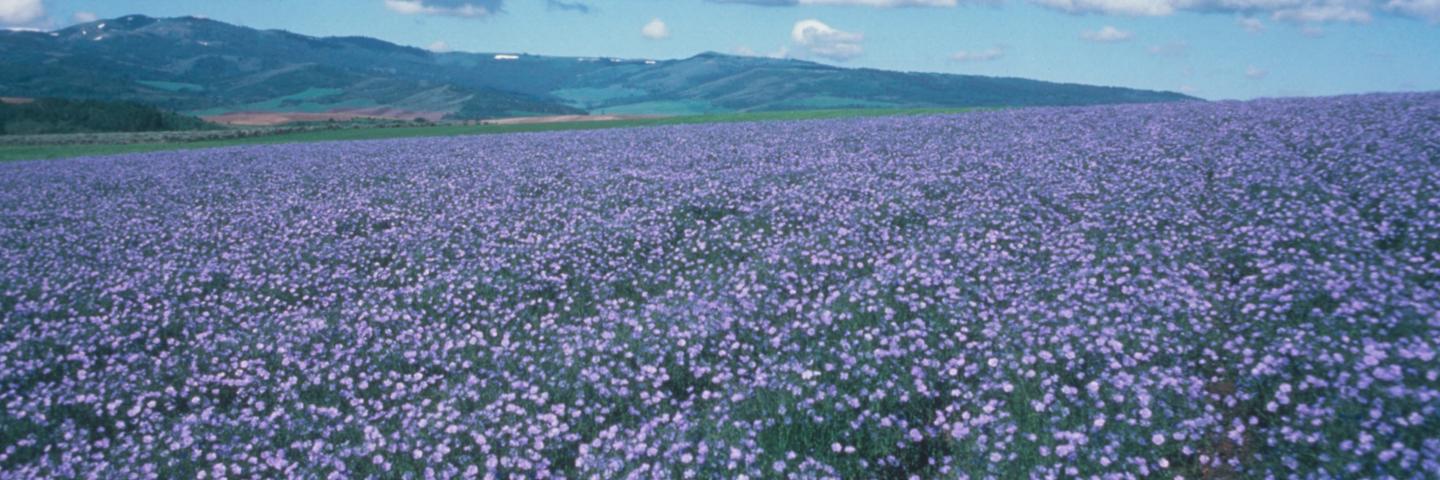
863, 3
20, 12
1426, 9
825, 41
569, 6
449, 8
1298, 11
986, 55
1250, 24
1106, 34
782, 52
1322, 13
1149, 8
1255, 73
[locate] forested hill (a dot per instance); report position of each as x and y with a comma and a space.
212, 69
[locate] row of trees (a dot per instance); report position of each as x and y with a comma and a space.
55, 115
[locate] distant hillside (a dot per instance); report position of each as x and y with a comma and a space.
52, 115
214, 69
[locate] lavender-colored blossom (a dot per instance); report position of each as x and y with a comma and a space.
1230, 289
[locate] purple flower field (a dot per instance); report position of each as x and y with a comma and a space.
1199, 290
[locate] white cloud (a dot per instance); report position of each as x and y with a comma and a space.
656, 30
1255, 73
1252, 25
20, 12
1426, 9
450, 8
824, 41
744, 51
978, 55
884, 3
1114, 7
439, 47
862, 3
1322, 13
1108, 34
1299, 11
85, 17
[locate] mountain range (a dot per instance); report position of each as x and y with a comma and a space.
222, 71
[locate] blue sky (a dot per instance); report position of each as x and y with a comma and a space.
1215, 49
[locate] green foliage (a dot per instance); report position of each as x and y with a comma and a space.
54, 115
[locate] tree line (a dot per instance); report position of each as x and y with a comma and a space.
58, 115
